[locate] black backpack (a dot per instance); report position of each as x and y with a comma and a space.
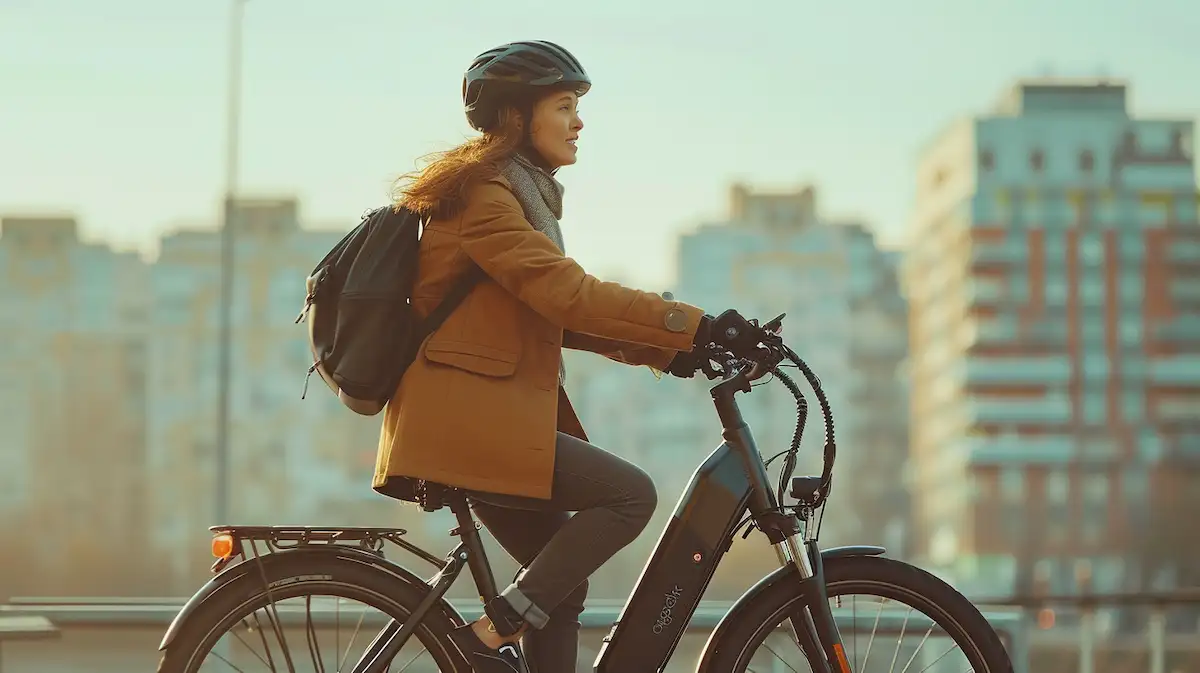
361, 327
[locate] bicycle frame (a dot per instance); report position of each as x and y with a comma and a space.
730, 483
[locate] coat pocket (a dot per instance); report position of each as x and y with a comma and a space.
473, 357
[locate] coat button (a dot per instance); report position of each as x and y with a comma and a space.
675, 320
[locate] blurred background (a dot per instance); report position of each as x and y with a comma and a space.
981, 222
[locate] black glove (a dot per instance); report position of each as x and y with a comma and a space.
685, 364
735, 333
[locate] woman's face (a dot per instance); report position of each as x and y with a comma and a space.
555, 128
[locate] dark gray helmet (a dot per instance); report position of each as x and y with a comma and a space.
515, 71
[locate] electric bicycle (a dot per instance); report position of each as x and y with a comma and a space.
800, 604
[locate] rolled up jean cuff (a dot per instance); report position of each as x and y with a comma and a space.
532, 614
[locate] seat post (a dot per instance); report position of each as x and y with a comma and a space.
468, 531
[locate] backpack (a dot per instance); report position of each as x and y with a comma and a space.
362, 331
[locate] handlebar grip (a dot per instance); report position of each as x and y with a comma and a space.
734, 332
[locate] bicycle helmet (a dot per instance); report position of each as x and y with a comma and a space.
516, 71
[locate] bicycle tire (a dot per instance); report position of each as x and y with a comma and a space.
301, 577
867, 575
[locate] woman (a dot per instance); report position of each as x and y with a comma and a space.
481, 409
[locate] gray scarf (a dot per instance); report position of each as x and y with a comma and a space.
540, 196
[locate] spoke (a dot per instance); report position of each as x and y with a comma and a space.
919, 646
310, 632
854, 629
243, 642
410, 661
262, 635
953, 646
352, 637
871, 640
900, 639
224, 659
897, 622
781, 659
277, 627
228, 662
273, 612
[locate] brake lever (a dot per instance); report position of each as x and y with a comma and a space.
771, 359
706, 367
775, 326
706, 363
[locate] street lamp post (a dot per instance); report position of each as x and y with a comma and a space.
225, 336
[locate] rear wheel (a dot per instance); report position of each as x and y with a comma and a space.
757, 642
243, 627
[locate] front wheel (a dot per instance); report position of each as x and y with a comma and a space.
947, 632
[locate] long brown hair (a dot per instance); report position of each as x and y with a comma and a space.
440, 188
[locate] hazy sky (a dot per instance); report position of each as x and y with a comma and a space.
114, 109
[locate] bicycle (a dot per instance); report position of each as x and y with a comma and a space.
730, 492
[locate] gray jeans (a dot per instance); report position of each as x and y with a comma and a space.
613, 501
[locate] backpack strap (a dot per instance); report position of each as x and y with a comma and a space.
453, 298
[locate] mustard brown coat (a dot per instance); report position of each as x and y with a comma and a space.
480, 406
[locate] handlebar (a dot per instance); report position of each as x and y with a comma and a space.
744, 352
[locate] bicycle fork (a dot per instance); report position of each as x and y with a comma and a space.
812, 626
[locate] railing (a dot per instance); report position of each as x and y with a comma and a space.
1044, 613
1026, 623
69, 614
600, 614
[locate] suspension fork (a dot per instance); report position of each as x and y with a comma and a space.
812, 626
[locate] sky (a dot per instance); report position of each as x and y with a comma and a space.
115, 110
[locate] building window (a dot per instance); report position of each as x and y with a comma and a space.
1092, 326
1132, 405
1087, 161
1094, 523
1131, 329
987, 161
1095, 489
1012, 483
1135, 484
1055, 526
1037, 160
1055, 292
1091, 249
1094, 407
1057, 484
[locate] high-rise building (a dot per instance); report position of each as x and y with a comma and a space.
291, 460
73, 317
773, 254
1053, 280
776, 253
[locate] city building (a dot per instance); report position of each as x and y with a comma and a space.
773, 254
293, 460
72, 401
776, 253
1053, 280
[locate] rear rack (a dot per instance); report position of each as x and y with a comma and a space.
280, 538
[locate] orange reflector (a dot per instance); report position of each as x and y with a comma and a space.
841, 657
222, 546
